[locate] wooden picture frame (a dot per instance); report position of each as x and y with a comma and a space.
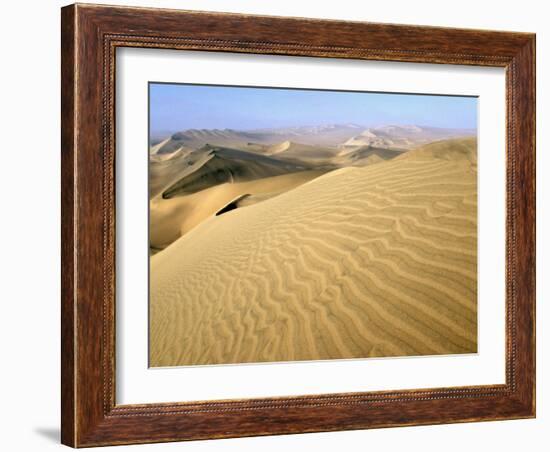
90, 36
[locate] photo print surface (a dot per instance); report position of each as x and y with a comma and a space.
297, 225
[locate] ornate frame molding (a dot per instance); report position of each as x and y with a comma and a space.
90, 37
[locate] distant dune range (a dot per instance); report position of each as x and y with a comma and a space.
194, 161
332, 259
334, 135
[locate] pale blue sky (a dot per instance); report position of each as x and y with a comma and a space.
176, 107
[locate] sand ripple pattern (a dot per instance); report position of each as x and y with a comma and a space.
360, 262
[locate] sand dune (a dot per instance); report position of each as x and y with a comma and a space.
324, 135
193, 160
364, 155
328, 135
360, 262
278, 148
404, 137
171, 218
290, 150
166, 171
221, 165
196, 138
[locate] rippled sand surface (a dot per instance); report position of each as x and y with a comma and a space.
361, 262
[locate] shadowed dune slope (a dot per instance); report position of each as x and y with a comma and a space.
360, 262
220, 165
167, 169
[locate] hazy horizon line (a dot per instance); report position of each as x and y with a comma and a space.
169, 132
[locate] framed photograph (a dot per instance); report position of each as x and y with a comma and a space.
281, 225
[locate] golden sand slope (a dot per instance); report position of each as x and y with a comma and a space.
360, 262
171, 218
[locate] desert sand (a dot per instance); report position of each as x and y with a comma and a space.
171, 218
365, 261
